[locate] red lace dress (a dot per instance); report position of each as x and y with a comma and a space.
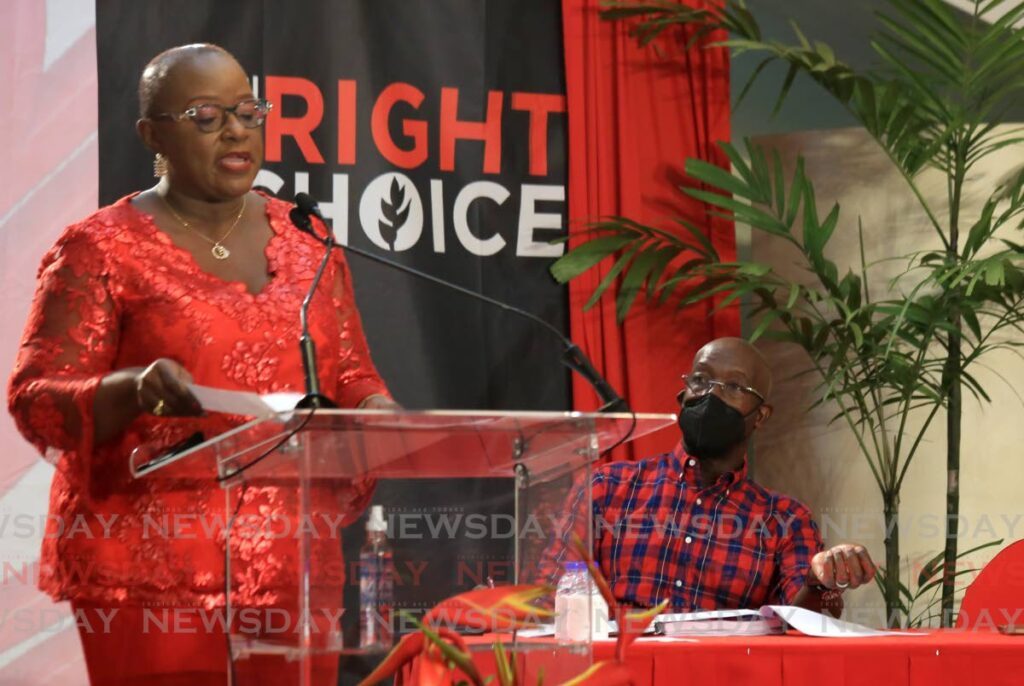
116, 292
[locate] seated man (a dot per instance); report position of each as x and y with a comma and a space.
689, 526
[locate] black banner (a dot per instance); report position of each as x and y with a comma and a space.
432, 132
460, 101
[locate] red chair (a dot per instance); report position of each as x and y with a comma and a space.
996, 597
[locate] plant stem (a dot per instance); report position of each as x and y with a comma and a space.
952, 374
953, 420
893, 612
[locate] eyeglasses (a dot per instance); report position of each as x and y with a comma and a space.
701, 384
210, 118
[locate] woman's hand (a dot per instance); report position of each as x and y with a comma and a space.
162, 390
378, 402
159, 389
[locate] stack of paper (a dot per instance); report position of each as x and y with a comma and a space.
770, 619
718, 623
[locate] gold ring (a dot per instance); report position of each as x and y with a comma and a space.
159, 408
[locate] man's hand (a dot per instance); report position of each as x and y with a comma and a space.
842, 566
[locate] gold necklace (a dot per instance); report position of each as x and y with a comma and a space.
219, 251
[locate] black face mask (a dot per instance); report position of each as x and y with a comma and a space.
710, 427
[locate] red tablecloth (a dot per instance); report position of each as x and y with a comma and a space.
942, 658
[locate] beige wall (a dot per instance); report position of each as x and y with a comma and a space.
799, 454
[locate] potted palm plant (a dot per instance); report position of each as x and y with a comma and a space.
935, 102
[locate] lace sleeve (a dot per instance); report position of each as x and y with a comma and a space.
68, 345
358, 378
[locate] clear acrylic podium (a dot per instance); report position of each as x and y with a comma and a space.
283, 555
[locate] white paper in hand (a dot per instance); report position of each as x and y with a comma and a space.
242, 402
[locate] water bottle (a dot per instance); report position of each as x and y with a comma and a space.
376, 584
599, 624
572, 605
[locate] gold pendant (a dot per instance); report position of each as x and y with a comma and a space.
220, 252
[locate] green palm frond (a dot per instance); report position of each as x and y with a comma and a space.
942, 86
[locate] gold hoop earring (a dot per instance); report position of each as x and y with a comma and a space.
159, 165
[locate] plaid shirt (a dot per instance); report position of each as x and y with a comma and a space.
658, 533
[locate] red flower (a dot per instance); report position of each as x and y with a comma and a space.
502, 608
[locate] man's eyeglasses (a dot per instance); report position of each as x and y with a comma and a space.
701, 384
210, 118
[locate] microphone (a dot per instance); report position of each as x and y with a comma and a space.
313, 399
572, 356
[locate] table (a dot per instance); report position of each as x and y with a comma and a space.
941, 658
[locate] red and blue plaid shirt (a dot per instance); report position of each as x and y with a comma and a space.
660, 533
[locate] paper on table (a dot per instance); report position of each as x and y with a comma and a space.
243, 402
705, 614
805, 621
545, 630
813, 623
537, 632
702, 615
738, 626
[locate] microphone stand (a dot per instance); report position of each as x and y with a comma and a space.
313, 399
572, 356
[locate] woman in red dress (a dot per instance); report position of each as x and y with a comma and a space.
196, 279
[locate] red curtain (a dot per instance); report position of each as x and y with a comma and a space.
635, 116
